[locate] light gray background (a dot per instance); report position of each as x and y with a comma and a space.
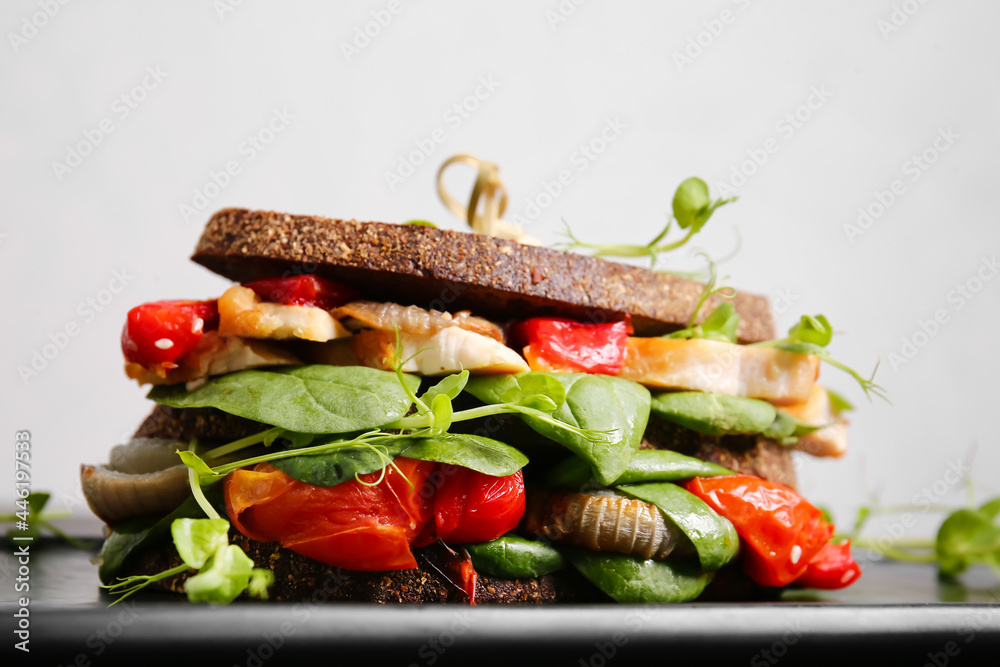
886, 96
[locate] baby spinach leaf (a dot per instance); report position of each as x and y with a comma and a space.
714, 537
787, 429
647, 465
592, 402
330, 468
341, 465
307, 399
628, 580
512, 556
490, 457
714, 414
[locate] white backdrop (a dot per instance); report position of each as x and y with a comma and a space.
116, 116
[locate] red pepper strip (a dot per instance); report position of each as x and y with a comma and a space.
157, 334
780, 530
563, 345
307, 290
469, 577
832, 568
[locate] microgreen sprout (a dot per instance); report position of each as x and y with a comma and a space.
811, 335
31, 514
692, 208
723, 322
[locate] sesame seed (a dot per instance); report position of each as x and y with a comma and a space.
796, 554
197, 325
164, 343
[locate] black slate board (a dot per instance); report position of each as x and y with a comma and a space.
896, 614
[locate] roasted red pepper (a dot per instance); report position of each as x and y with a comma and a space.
563, 345
780, 530
833, 567
307, 290
160, 333
470, 506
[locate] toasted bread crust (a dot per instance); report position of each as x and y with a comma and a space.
450, 271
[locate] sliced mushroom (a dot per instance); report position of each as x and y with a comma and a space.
411, 319
143, 476
602, 522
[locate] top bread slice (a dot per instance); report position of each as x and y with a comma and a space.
450, 271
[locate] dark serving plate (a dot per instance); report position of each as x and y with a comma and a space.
896, 614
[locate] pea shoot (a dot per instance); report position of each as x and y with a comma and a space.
692, 208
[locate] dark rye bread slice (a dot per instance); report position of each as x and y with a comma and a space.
297, 578
448, 270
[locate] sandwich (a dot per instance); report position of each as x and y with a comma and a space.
399, 413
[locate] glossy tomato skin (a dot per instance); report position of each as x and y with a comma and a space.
161, 332
832, 568
781, 531
470, 506
307, 290
564, 345
349, 525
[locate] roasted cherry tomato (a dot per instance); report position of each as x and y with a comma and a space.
833, 567
308, 290
781, 531
559, 344
349, 525
470, 506
160, 333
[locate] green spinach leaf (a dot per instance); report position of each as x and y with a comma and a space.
341, 465
307, 399
629, 580
647, 465
490, 457
511, 556
594, 402
714, 537
714, 414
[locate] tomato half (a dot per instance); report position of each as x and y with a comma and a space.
470, 506
307, 290
160, 333
564, 345
349, 525
782, 532
832, 568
